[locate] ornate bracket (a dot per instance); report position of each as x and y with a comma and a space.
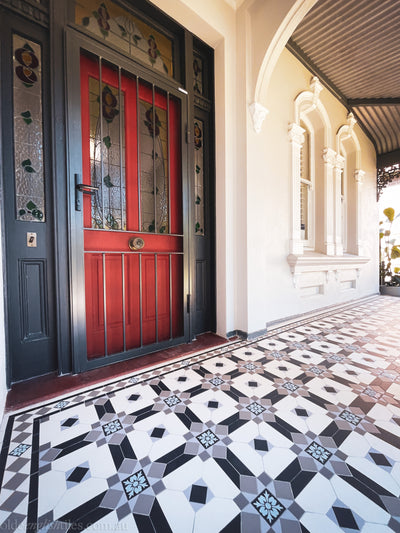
258, 113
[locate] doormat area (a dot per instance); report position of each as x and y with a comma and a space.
297, 431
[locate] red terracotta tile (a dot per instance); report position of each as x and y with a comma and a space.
50, 386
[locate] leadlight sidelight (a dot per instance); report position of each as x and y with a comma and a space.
197, 75
127, 32
154, 182
107, 154
28, 130
199, 176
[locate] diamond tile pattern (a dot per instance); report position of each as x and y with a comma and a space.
297, 431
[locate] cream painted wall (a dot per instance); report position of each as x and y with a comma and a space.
271, 294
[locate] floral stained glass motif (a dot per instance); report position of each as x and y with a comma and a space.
153, 168
127, 32
199, 176
197, 75
107, 156
28, 130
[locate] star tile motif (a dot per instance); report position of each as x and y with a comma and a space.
256, 408
112, 427
135, 484
350, 417
172, 400
269, 507
20, 449
319, 453
207, 438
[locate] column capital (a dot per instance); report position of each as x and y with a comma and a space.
359, 176
296, 134
329, 156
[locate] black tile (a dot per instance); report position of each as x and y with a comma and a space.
219, 364
213, 405
234, 526
198, 494
253, 384
78, 474
158, 433
261, 445
330, 389
69, 422
379, 459
134, 397
182, 378
345, 518
158, 519
301, 412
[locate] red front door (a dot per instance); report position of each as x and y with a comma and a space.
133, 242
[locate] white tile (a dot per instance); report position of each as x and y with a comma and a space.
355, 445
272, 344
177, 510
325, 347
217, 481
375, 473
276, 460
357, 502
222, 512
110, 522
318, 523
283, 369
78, 495
318, 496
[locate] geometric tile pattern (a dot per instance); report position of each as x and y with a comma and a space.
297, 431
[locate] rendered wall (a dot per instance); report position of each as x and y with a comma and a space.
270, 284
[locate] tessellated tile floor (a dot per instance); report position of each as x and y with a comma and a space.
297, 431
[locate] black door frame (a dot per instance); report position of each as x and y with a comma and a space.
75, 42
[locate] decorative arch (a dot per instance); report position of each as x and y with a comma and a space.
310, 112
287, 16
348, 184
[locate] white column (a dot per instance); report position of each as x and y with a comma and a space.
296, 138
359, 178
339, 167
329, 157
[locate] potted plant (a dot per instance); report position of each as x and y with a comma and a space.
389, 273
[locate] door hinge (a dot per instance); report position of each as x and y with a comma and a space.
187, 135
188, 303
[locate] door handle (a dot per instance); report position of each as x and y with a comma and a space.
136, 243
83, 188
88, 189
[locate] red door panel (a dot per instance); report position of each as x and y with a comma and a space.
131, 153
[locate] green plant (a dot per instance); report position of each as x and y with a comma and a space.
389, 250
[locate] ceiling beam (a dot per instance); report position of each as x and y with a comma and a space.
312, 67
357, 102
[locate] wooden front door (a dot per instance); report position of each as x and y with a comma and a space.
130, 197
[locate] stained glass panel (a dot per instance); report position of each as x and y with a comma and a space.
154, 182
199, 176
107, 156
107, 20
197, 75
28, 130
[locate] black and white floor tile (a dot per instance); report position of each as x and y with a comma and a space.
295, 432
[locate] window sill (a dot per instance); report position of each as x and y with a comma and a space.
313, 262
